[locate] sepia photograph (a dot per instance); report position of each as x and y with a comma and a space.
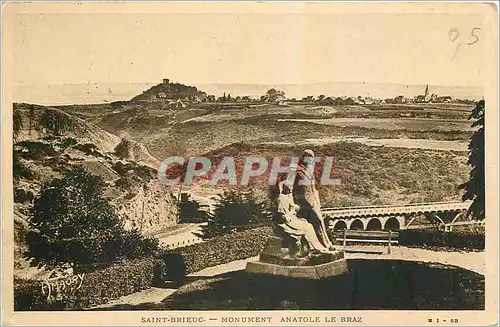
254, 163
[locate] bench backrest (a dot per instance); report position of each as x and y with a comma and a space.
365, 234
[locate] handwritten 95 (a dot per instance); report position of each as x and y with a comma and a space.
60, 285
454, 36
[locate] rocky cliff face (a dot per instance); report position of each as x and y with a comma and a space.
151, 209
135, 151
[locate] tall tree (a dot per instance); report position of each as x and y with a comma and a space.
475, 188
273, 95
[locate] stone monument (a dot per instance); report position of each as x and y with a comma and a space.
301, 247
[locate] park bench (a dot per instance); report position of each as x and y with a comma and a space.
363, 236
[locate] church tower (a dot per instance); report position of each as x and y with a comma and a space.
426, 94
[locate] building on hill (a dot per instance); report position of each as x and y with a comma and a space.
338, 101
171, 91
369, 100
329, 101
349, 101
420, 98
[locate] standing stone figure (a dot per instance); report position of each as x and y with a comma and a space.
292, 228
306, 196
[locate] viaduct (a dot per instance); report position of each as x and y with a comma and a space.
396, 217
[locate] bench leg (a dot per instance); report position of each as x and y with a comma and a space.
389, 249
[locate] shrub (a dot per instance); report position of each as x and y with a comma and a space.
469, 240
19, 169
217, 251
126, 183
134, 245
56, 121
22, 195
28, 295
68, 142
124, 148
89, 149
124, 169
98, 287
74, 223
235, 211
37, 150
190, 211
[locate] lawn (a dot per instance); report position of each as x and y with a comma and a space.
369, 285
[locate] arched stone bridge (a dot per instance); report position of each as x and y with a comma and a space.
395, 217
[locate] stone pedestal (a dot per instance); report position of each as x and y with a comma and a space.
275, 260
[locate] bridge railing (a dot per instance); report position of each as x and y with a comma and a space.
406, 205
405, 208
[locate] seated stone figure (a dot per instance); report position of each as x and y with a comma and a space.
283, 253
294, 230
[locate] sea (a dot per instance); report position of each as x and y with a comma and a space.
93, 93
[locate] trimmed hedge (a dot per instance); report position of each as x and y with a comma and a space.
439, 239
220, 250
98, 287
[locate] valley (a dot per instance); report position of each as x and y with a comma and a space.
384, 154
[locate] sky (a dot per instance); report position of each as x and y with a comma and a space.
247, 48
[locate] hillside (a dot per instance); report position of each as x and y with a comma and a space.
171, 91
53, 141
369, 175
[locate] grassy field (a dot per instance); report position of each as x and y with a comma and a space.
195, 131
368, 175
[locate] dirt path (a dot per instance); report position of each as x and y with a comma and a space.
181, 237
415, 124
473, 261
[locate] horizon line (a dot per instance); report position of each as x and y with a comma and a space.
240, 83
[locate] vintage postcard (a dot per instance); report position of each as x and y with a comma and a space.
250, 163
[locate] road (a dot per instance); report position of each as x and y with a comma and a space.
180, 237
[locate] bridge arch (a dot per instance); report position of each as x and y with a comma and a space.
339, 225
357, 224
374, 224
392, 224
